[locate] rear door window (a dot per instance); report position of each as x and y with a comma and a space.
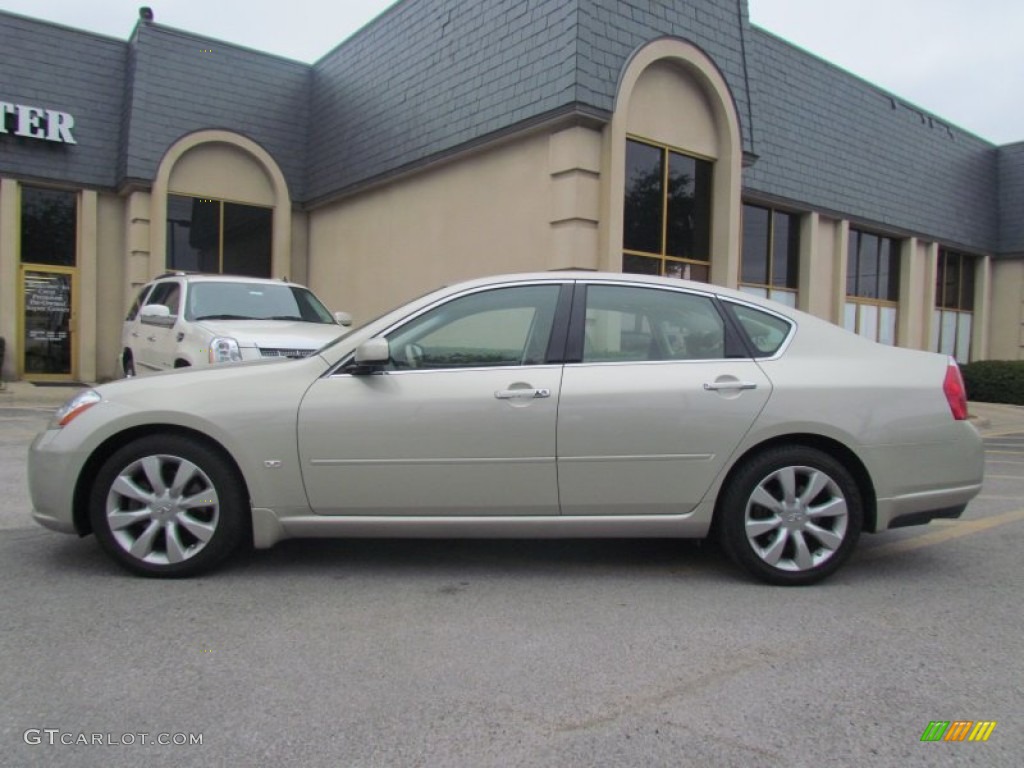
765, 331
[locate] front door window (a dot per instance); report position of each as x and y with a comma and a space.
47, 322
49, 245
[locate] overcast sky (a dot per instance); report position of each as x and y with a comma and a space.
962, 60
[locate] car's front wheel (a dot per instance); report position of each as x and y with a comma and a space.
791, 515
166, 505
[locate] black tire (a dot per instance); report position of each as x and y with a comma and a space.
795, 538
162, 529
128, 363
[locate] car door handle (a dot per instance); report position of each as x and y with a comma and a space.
531, 394
720, 385
151, 338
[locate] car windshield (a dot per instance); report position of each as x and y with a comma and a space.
254, 301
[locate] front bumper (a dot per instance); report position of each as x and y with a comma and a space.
51, 471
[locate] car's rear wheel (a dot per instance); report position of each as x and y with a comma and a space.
166, 505
791, 515
128, 363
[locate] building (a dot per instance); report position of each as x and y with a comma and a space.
454, 138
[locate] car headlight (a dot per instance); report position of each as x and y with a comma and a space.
224, 350
77, 405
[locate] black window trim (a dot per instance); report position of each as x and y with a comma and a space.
556, 342
729, 303
737, 345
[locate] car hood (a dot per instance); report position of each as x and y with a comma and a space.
274, 334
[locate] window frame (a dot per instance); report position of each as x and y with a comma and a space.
553, 355
735, 344
221, 217
74, 197
941, 309
769, 287
856, 302
664, 259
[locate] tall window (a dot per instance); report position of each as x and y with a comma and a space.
771, 254
954, 304
667, 216
872, 286
49, 239
205, 235
49, 226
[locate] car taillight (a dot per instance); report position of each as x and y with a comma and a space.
956, 392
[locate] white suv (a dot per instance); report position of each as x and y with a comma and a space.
181, 320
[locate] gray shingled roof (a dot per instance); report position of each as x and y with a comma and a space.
831, 141
430, 77
1011, 198
54, 67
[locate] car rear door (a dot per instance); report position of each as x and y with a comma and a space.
461, 421
659, 397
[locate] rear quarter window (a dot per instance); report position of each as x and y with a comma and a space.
765, 331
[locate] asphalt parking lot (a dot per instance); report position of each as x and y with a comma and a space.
517, 653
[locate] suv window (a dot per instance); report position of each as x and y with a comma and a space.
507, 326
218, 300
137, 304
168, 294
627, 324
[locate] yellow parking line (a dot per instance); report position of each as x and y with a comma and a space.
1005, 477
965, 528
1009, 453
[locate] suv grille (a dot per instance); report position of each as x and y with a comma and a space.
268, 352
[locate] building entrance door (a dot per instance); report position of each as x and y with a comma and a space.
48, 323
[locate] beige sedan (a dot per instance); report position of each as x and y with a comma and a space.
545, 405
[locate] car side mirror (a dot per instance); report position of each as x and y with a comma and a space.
157, 314
371, 356
343, 318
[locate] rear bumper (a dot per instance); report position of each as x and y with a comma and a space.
922, 518
922, 508
919, 482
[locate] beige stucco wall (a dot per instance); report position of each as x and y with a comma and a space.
9, 275
817, 265
487, 213
111, 302
1006, 328
223, 165
672, 94
669, 106
221, 171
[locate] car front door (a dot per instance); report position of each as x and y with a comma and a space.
660, 396
460, 422
158, 343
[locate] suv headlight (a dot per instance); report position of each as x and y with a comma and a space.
224, 350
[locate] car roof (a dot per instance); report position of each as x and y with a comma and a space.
203, 277
628, 277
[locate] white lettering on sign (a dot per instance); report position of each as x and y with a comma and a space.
36, 123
